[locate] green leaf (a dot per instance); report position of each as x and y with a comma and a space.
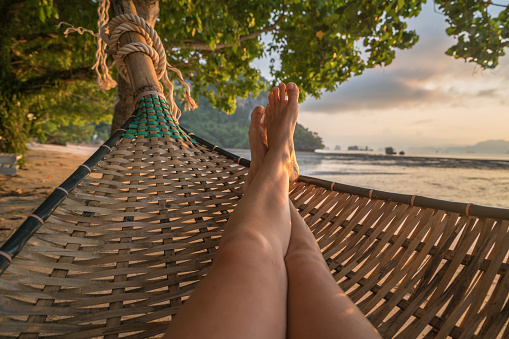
450, 30
42, 14
401, 3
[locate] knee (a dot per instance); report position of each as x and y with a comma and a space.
303, 254
305, 266
247, 248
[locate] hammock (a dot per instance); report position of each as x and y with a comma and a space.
117, 248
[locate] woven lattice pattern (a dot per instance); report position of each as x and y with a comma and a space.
128, 246
129, 243
414, 272
154, 120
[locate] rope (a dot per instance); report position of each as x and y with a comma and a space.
37, 217
133, 23
104, 79
6, 256
109, 36
467, 210
142, 94
63, 190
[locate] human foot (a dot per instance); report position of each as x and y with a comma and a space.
280, 120
257, 143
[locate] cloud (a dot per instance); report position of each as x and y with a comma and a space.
423, 122
489, 93
423, 77
424, 98
378, 91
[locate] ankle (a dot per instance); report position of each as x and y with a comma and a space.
280, 154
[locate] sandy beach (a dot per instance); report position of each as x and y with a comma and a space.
47, 167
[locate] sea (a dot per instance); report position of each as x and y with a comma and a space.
469, 178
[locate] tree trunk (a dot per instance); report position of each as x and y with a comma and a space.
124, 107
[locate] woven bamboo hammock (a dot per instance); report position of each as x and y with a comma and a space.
120, 245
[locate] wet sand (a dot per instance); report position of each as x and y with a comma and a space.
47, 167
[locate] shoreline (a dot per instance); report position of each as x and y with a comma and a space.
451, 156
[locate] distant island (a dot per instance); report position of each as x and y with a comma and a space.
230, 131
483, 147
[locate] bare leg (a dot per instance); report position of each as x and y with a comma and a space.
245, 293
317, 307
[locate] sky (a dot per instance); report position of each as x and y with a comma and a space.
423, 99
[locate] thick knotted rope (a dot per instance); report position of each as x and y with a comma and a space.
109, 35
133, 23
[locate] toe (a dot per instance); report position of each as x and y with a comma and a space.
271, 101
293, 92
263, 120
257, 114
282, 92
277, 98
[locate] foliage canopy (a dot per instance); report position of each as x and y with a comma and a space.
46, 81
481, 35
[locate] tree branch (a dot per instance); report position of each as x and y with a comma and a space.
203, 46
33, 37
82, 73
